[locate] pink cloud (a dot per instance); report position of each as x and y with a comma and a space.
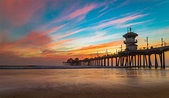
82, 11
41, 38
35, 39
123, 4
18, 12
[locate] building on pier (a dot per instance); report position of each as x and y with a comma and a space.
130, 40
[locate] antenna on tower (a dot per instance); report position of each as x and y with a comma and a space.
130, 28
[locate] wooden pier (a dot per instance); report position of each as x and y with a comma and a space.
138, 58
131, 57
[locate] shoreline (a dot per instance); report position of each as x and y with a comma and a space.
70, 67
58, 67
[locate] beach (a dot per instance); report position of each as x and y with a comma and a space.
83, 83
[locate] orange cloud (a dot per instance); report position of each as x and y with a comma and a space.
97, 48
57, 43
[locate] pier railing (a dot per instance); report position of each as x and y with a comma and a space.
154, 46
99, 54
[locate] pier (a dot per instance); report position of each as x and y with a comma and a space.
130, 57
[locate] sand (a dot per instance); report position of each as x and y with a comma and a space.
81, 91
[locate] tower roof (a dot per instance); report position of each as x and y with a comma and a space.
130, 34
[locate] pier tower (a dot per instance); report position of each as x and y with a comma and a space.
130, 40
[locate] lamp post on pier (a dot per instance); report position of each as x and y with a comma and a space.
147, 42
162, 41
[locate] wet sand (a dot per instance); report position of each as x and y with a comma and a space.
84, 83
86, 91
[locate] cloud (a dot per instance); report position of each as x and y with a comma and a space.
119, 21
53, 29
75, 43
126, 2
87, 40
32, 40
79, 13
35, 39
54, 44
31, 44
130, 24
97, 48
18, 12
61, 35
99, 37
104, 45
82, 11
34, 44
48, 52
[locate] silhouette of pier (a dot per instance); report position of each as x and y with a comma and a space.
131, 57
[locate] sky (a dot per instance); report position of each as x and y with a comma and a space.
48, 32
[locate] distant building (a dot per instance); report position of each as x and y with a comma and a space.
70, 61
130, 40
